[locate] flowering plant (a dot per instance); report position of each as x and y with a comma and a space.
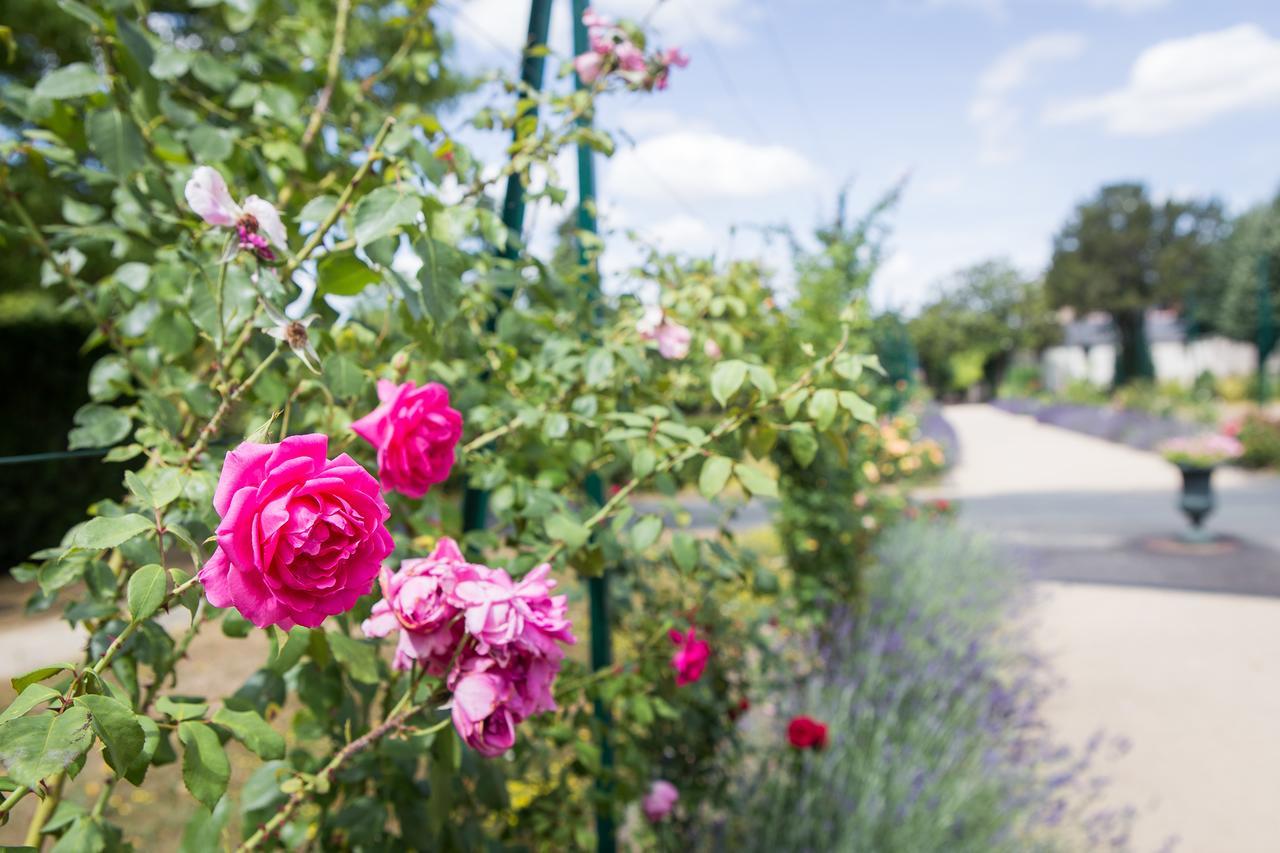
308, 385
1201, 451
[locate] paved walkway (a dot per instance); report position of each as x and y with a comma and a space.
1191, 678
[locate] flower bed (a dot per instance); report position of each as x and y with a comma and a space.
1135, 429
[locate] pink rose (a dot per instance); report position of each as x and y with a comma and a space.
588, 66
480, 713
301, 537
415, 433
419, 602
672, 338
660, 800
691, 656
502, 613
257, 223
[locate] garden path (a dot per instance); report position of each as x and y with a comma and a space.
1190, 678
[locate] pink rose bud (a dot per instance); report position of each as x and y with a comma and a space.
415, 432
660, 800
302, 536
588, 66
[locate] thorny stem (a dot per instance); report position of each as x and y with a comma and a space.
394, 722
208, 430
331, 74
44, 811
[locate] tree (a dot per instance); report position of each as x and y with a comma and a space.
984, 314
1122, 254
1247, 258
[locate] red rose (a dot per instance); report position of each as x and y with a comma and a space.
741, 708
807, 733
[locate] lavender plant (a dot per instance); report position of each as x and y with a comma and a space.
936, 736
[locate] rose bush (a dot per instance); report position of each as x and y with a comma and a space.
364, 288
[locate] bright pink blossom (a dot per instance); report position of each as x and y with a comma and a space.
415, 432
503, 613
660, 800
588, 66
672, 338
691, 656
257, 223
302, 536
420, 602
481, 713
668, 59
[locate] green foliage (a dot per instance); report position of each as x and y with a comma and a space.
1122, 253
1245, 264
1260, 436
982, 317
329, 114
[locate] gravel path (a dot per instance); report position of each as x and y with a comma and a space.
1191, 678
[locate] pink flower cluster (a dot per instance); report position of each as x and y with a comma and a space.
1202, 450
497, 641
660, 800
613, 51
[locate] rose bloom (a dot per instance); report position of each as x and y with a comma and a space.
415, 433
502, 613
691, 656
420, 602
660, 800
672, 338
807, 733
490, 698
257, 223
301, 537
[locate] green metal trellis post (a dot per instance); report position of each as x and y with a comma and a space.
597, 587
475, 506
475, 502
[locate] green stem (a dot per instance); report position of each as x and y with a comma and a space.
331, 74
44, 811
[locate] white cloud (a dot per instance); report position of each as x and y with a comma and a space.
698, 164
1127, 5
998, 118
1184, 83
681, 233
500, 26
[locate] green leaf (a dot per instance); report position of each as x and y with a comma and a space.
182, 709
110, 532
822, 407
137, 771
116, 142
358, 658
714, 476
726, 378
170, 63
20, 682
858, 407
643, 462
343, 274
599, 367
848, 366
382, 211
205, 769
86, 835
762, 378
146, 591
117, 728
555, 426
252, 731
684, 550
646, 532
164, 484
109, 378
567, 529
204, 830
70, 81
318, 208
98, 426
803, 444
294, 648
31, 696
756, 481
343, 376
32, 748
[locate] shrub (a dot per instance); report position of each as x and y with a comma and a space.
936, 741
1260, 436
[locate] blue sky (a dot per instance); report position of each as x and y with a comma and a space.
1001, 113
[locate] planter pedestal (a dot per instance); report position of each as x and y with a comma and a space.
1197, 501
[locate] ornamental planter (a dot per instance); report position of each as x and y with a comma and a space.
1197, 500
